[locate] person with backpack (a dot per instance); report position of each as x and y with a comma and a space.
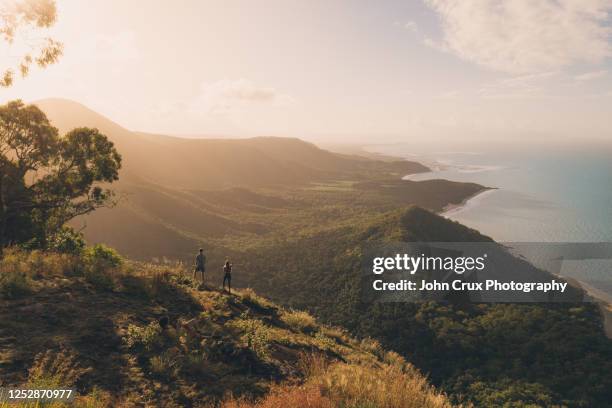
227, 275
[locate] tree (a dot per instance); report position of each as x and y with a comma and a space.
22, 21
46, 180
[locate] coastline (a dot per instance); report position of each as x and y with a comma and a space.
470, 201
604, 301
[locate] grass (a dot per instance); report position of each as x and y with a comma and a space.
254, 334
299, 321
383, 386
351, 386
107, 341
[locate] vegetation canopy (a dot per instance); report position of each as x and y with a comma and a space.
46, 180
19, 20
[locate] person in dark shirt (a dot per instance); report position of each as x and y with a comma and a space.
200, 265
227, 275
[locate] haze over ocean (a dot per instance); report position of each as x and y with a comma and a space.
542, 195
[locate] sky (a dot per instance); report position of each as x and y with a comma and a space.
336, 70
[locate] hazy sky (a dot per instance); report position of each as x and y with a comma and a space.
364, 70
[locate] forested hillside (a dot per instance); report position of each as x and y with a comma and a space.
487, 354
176, 194
297, 234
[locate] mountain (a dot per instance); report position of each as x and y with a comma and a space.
176, 194
301, 243
216, 163
148, 336
486, 354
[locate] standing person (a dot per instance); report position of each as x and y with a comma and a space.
200, 265
227, 275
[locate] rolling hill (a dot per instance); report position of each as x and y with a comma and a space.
175, 194
148, 336
217, 163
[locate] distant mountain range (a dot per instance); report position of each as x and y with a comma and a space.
217, 163
172, 190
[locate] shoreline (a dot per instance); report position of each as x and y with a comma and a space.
470, 201
604, 301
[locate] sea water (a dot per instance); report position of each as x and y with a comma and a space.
540, 195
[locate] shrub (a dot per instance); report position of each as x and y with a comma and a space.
255, 334
14, 284
68, 241
194, 363
101, 256
510, 393
147, 337
100, 279
300, 321
101, 262
164, 365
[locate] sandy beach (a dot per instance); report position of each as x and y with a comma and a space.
452, 209
604, 301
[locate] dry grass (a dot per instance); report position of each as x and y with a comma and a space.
285, 397
249, 297
385, 386
341, 385
373, 346
299, 321
338, 334
237, 338
20, 269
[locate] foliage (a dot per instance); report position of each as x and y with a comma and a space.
21, 15
13, 284
67, 240
510, 394
556, 351
255, 334
213, 344
147, 337
102, 257
45, 180
101, 263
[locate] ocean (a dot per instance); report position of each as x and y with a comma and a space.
540, 195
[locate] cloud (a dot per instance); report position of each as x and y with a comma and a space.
228, 95
525, 36
588, 76
522, 86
